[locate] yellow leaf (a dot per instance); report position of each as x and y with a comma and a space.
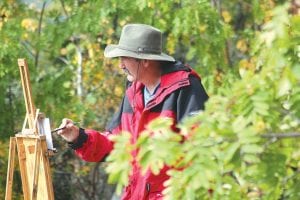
63, 51
171, 44
150, 4
242, 45
260, 126
5, 14
29, 24
202, 28
244, 64
99, 76
226, 16
118, 91
110, 31
105, 21
91, 51
268, 16
25, 36
122, 22
108, 41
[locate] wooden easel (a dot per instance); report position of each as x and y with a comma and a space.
32, 150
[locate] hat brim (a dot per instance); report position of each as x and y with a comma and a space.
112, 51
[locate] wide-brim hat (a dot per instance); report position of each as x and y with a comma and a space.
138, 41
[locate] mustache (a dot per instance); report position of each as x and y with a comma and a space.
126, 71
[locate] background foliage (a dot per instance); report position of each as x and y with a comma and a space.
247, 53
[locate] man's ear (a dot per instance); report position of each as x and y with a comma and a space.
145, 63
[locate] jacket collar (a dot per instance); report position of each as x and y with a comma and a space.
174, 76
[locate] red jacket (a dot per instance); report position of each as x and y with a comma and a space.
180, 94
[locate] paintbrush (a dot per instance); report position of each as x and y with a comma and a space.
57, 129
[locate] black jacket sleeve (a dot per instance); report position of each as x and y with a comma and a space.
191, 99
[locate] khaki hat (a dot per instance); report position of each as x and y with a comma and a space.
139, 41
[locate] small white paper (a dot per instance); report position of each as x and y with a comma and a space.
48, 133
46, 130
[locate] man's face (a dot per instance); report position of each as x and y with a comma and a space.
131, 67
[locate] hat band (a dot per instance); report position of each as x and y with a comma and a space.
145, 50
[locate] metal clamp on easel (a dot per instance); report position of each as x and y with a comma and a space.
34, 145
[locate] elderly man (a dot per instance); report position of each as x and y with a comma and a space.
158, 86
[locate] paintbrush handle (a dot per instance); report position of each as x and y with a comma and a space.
57, 129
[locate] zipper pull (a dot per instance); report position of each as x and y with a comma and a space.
148, 187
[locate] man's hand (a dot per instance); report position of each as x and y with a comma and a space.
69, 131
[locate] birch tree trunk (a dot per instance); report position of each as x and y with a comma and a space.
79, 86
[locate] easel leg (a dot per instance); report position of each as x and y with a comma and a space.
10, 168
23, 159
36, 169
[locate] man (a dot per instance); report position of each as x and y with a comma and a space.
158, 87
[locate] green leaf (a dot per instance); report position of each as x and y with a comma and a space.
251, 148
239, 124
251, 158
229, 153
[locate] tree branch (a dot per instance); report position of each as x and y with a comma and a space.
281, 135
39, 34
64, 8
79, 86
26, 44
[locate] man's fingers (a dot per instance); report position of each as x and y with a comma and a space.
66, 127
65, 122
68, 130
